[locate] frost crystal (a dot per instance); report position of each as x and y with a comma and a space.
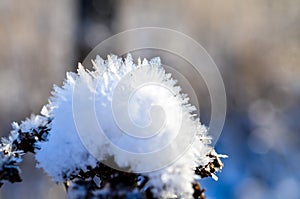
23, 138
59, 149
63, 155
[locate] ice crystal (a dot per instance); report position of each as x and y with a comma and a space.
59, 150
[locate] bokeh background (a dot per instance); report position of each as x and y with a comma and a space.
256, 45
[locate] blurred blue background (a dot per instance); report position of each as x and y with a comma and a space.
255, 44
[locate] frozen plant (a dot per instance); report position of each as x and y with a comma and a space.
84, 174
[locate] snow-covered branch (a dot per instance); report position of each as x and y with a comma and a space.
65, 156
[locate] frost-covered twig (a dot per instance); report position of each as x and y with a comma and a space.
214, 165
22, 139
60, 151
100, 182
